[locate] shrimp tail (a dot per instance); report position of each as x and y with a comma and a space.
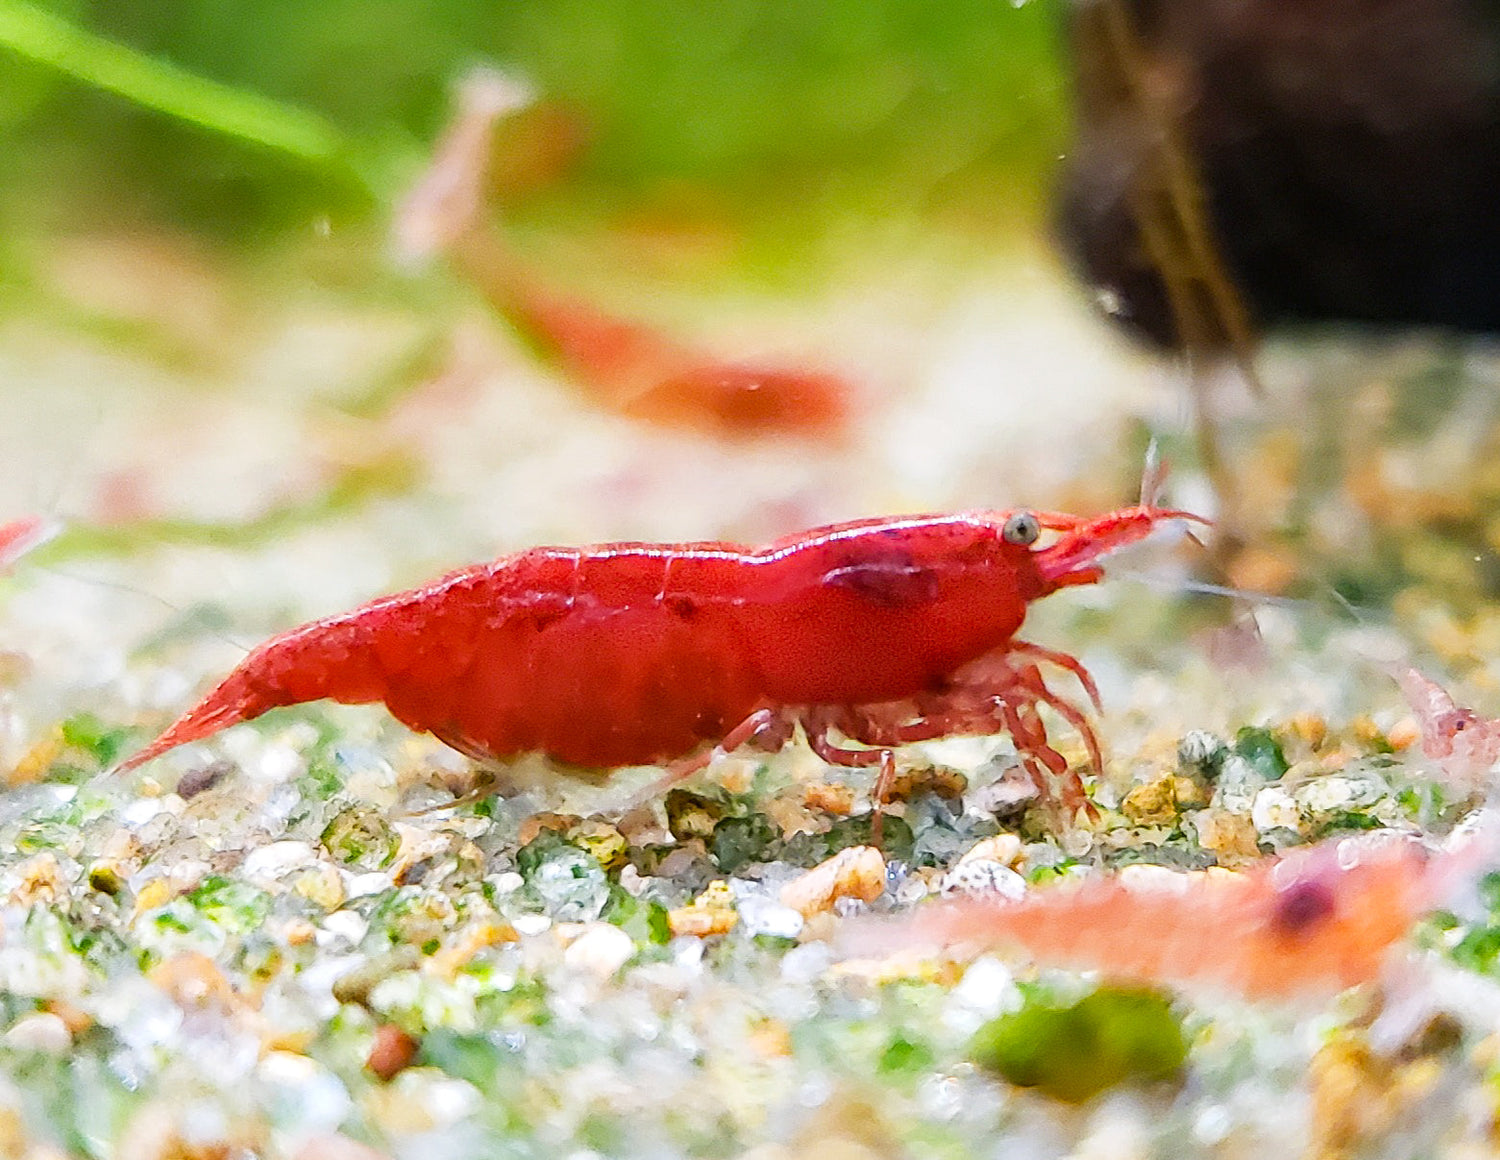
332, 659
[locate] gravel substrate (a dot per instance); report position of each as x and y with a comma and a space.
279, 944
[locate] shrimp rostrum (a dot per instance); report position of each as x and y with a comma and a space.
869, 635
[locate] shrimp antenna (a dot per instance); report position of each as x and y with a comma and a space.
1153, 474
130, 589
1202, 587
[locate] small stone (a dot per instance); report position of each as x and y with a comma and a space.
769, 1039
602, 840
196, 781
1002, 848
856, 872
762, 915
980, 878
601, 950
40, 1031
1201, 752
298, 932
361, 839
925, 777
1275, 809
41, 881
392, 1052
75, 1018
37, 760
530, 925
107, 877
323, 887
1369, 734
701, 921
712, 912
1310, 729
346, 925
460, 949
691, 815
1230, 837
1340, 794
194, 981
265, 864
1153, 804
829, 796
156, 893
1404, 734
355, 986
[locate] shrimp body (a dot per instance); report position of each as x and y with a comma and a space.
625, 365
883, 630
1312, 922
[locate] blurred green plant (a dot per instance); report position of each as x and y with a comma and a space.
895, 106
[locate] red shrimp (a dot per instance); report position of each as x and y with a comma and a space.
1463, 745
881, 631
1312, 922
628, 366
20, 536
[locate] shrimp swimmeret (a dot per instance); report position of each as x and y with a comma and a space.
1314, 921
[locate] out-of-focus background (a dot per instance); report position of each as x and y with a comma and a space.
203, 321
246, 405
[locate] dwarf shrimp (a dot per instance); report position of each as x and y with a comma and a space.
1463, 745
629, 367
869, 635
22, 535
1314, 921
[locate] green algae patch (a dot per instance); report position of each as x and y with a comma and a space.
1075, 1052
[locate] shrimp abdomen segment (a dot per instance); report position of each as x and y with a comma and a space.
596, 659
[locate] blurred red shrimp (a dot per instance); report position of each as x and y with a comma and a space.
22, 535
1312, 922
1463, 745
628, 366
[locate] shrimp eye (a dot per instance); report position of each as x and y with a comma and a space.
1021, 528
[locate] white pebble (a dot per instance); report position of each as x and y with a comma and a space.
981, 878
276, 859
1274, 809
345, 924
359, 885
140, 811
1328, 795
762, 915
601, 950
41, 1031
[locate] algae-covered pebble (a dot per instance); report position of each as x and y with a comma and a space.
361, 839
1075, 1052
1152, 804
107, 877
737, 842
712, 912
602, 840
